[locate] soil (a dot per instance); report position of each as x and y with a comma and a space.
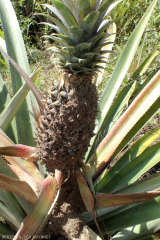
66, 221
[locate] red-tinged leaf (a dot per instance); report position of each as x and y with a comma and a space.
88, 174
86, 195
20, 150
87, 198
21, 188
104, 200
40, 210
38, 95
23, 176
59, 177
27, 167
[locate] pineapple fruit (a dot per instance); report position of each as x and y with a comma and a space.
66, 125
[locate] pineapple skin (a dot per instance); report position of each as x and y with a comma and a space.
67, 123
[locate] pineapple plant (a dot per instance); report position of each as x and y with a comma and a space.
65, 120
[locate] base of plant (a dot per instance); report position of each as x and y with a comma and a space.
66, 219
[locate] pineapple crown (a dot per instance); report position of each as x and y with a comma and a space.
80, 33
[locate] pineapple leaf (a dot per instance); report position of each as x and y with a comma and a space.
63, 29
35, 218
9, 200
65, 39
104, 25
4, 100
83, 8
145, 184
104, 200
86, 195
140, 164
102, 13
84, 48
111, 39
52, 26
65, 55
55, 39
140, 230
132, 153
14, 104
27, 167
69, 4
120, 70
63, 13
16, 201
115, 222
3, 46
72, 51
147, 97
21, 188
17, 51
35, 90
147, 116
88, 24
10, 216
76, 34
93, 4
20, 150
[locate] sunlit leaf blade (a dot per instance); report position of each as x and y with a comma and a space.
150, 208
19, 187
136, 149
133, 170
145, 184
14, 104
139, 231
126, 122
27, 167
146, 117
144, 66
121, 68
38, 95
104, 200
40, 210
